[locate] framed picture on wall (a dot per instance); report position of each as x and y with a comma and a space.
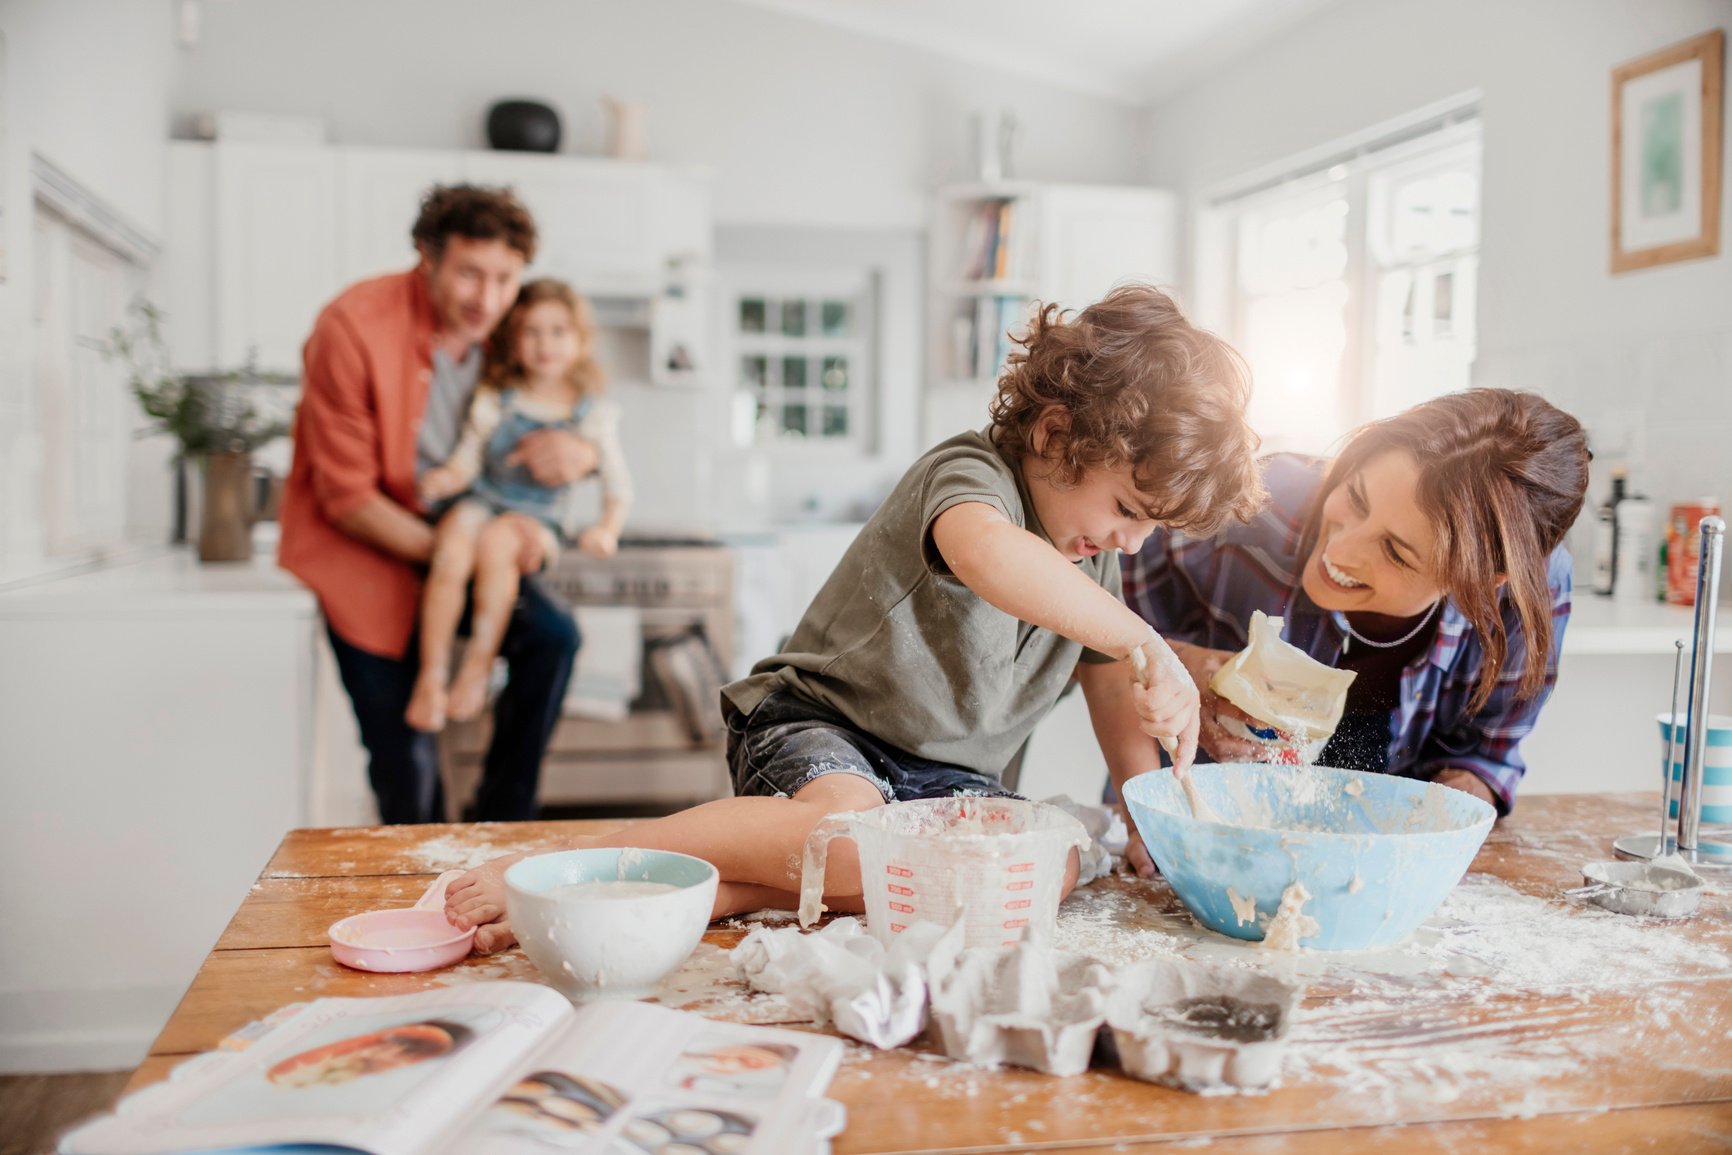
1666, 154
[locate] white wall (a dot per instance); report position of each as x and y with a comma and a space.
84, 83
804, 124
1644, 358
822, 142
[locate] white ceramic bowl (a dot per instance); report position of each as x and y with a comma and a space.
592, 947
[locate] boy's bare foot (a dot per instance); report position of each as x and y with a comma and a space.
427, 705
478, 898
469, 691
494, 937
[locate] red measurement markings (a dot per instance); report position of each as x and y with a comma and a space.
902, 908
1015, 923
1020, 868
899, 871
905, 890
1021, 884
1019, 904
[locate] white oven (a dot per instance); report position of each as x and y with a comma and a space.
649, 756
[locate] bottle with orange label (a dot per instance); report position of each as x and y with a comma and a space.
1683, 547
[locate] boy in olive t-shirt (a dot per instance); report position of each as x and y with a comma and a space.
987, 579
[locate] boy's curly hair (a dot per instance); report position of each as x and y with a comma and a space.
1137, 385
475, 212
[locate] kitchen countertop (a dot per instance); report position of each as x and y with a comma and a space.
172, 581
166, 582
1600, 626
1514, 1020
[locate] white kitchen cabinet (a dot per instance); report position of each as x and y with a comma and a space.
276, 256
157, 737
263, 236
597, 220
251, 253
996, 250
379, 192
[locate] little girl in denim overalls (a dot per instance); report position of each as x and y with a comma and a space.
542, 374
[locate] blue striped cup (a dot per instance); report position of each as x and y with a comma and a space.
1717, 766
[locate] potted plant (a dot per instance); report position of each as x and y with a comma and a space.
216, 424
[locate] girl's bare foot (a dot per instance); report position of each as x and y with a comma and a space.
427, 705
469, 691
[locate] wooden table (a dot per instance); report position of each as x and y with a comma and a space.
1622, 1040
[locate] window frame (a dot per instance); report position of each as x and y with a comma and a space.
1434, 139
858, 286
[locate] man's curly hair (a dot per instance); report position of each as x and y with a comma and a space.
1136, 384
475, 212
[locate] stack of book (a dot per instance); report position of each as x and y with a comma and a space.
987, 249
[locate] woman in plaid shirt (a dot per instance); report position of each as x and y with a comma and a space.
1427, 557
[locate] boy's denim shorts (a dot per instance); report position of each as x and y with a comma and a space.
787, 743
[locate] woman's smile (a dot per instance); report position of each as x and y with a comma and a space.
1337, 576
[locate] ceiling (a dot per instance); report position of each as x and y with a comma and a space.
1132, 51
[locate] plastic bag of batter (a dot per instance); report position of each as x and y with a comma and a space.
1298, 699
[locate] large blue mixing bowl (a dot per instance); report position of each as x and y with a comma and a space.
1377, 853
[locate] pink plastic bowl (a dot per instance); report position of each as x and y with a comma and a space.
393, 941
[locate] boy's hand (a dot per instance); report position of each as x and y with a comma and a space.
1222, 746
478, 899
1166, 699
439, 483
598, 541
1136, 854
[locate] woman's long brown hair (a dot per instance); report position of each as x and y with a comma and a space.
1502, 476
503, 367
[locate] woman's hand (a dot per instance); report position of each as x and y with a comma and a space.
1222, 746
1467, 782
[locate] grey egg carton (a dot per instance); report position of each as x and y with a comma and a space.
1019, 1006
1200, 1027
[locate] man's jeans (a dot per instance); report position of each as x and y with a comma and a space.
540, 645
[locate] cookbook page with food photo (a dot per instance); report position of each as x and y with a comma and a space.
632, 1079
391, 1076
509, 1068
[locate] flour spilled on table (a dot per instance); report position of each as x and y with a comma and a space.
456, 852
1537, 975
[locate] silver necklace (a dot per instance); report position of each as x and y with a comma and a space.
1354, 635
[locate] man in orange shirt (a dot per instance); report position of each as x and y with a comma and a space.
390, 367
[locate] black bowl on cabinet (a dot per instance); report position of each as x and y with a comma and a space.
523, 126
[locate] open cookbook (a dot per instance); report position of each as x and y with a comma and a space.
494, 1068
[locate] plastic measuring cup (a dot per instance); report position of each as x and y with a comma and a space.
415, 938
1001, 861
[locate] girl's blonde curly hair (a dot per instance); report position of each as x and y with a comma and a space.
503, 367
1135, 384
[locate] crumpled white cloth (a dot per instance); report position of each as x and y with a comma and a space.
1107, 836
842, 975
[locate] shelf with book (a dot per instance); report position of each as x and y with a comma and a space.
999, 251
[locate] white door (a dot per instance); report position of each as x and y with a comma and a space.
81, 296
276, 263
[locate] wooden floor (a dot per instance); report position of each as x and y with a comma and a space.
35, 1109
